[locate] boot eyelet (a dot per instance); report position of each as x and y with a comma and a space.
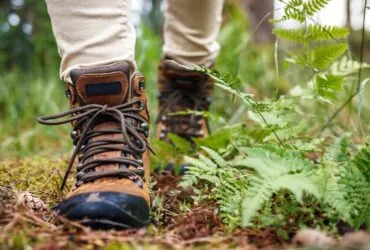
80, 174
79, 183
68, 93
74, 134
79, 166
139, 161
141, 105
144, 125
137, 181
142, 85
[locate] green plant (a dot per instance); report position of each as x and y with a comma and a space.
275, 164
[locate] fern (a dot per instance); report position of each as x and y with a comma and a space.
238, 191
325, 32
227, 183
328, 85
312, 33
298, 9
346, 67
311, 7
321, 57
362, 162
275, 171
324, 56
348, 185
317, 57
293, 10
292, 35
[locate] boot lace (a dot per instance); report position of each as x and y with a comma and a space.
132, 145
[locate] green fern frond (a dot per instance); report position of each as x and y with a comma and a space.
325, 32
228, 183
311, 7
226, 79
180, 143
325, 55
362, 162
339, 150
215, 156
328, 86
347, 192
293, 10
312, 33
319, 58
292, 35
298, 9
347, 66
274, 172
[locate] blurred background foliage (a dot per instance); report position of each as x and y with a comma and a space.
29, 65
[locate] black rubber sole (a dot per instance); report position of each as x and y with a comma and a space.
106, 210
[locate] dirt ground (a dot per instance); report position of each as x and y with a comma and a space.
27, 222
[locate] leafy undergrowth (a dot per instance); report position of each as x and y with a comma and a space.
177, 222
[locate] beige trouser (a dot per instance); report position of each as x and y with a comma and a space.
96, 32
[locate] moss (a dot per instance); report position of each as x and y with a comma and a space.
38, 175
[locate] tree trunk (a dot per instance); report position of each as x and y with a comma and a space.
257, 11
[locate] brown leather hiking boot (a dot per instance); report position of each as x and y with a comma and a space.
181, 90
110, 133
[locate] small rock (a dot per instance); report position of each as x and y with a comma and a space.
312, 238
31, 202
356, 240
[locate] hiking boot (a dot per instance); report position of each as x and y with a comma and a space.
110, 133
183, 96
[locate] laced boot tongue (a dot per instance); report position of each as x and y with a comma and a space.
105, 85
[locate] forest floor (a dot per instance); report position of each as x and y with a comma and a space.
174, 226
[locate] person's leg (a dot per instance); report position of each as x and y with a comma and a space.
190, 33
191, 30
109, 114
92, 33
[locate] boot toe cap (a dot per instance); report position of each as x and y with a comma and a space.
106, 210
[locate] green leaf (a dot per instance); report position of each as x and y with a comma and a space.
325, 55
311, 7
276, 169
312, 33
215, 156
292, 35
179, 142
328, 86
